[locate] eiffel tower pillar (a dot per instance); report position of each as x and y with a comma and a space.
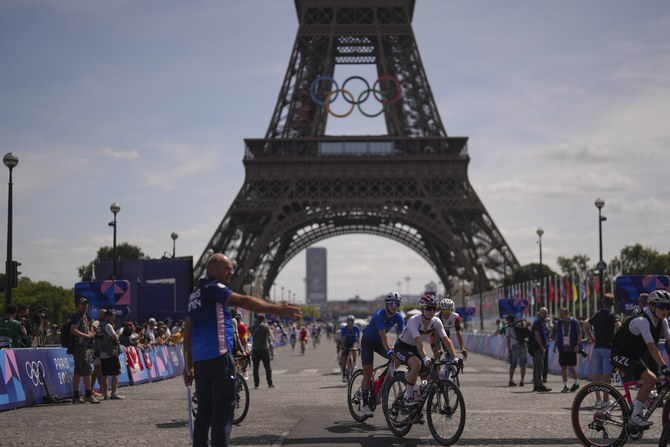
410, 185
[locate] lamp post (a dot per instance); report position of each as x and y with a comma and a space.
114, 208
174, 237
10, 160
480, 269
600, 203
540, 232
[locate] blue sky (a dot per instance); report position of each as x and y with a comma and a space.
147, 103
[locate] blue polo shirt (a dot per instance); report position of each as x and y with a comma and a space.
350, 335
212, 328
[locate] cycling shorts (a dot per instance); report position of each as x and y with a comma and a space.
368, 349
404, 352
634, 366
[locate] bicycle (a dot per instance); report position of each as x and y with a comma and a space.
445, 405
303, 343
355, 394
604, 422
350, 364
241, 393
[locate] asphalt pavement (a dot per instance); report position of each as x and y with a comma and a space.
307, 407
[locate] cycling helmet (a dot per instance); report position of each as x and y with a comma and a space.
447, 304
393, 297
351, 319
343, 325
659, 296
428, 300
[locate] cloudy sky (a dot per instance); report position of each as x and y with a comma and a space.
147, 103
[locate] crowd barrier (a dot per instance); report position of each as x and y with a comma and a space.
495, 345
27, 374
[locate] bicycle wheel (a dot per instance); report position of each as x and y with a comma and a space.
393, 404
355, 396
446, 412
600, 422
242, 394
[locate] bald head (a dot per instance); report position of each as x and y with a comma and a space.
220, 267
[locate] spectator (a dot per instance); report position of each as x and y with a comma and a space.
539, 339
23, 317
109, 356
567, 344
97, 345
11, 330
208, 357
600, 329
53, 337
150, 333
516, 334
642, 303
260, 349
243, 333
167, 322
83, 335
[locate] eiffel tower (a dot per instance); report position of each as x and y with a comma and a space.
411, 185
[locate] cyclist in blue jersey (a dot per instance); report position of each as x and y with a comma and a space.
208, 348
374, 340
350, 336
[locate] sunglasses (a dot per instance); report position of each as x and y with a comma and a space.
430, 309
393, 304
663, 306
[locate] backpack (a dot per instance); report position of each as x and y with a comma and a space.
66, 335
521, 332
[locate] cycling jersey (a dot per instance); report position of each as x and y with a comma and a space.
417, 328
451, 322
636, 331
350, 335
303, 334
381, 322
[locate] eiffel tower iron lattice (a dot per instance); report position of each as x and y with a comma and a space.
411, 185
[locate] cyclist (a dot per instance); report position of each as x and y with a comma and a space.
635, 349
409, 347
350, 336
293, 335
450, 320
374, 340
303, 338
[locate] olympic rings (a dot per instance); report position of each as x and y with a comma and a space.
33, 369
378, 93
344, 95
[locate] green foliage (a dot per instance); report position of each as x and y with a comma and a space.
58, 301
123, 251
573, 265
528, 272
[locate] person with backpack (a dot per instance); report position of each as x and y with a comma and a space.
517, 334
82, 339
11, 330
567, 344
109, 356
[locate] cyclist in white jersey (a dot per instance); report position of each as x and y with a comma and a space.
452, 324
409, 347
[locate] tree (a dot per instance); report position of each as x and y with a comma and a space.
574, 265
123, 251
639, 260
58, 301
529, 272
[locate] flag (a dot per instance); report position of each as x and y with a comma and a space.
575, 294
582, 290
551, 290
561, 289
568, 291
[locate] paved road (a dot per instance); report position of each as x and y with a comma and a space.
306, 408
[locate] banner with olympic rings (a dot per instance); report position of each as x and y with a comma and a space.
386, 91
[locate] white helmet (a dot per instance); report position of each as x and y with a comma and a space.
446, 304
393, 297
659, 296
351, 319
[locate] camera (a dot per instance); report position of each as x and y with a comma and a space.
40, 314
583, 353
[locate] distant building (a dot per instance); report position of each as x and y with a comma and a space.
317, 277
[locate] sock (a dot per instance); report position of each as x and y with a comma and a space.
565, 383
576, 381
88, 393
366, 397
77, 395
637, 407
410, 391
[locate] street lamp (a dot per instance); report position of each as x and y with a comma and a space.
10, 160
600, 203
480, 264
540, 232
174, 237
114, 208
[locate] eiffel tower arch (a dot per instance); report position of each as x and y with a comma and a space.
411, 185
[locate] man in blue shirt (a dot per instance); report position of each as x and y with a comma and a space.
209, 346
538, 333
374, 340
350, 335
